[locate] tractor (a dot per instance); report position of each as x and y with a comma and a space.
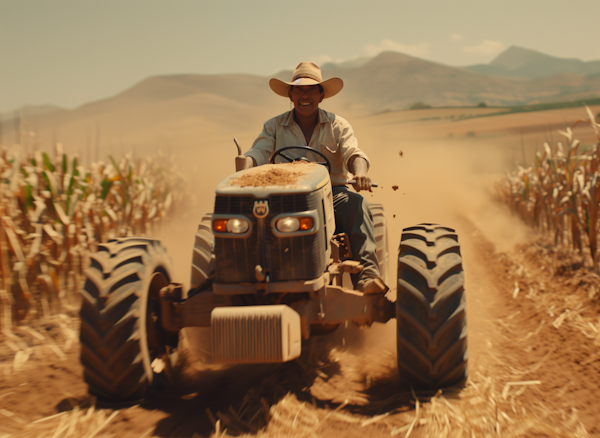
269, 272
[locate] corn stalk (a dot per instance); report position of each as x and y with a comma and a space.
560, 194
54, 211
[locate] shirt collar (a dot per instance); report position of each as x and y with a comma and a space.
323, 117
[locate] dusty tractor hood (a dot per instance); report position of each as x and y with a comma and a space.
269, 179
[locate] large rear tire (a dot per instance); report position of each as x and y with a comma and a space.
431, 309
381, 238
203, 257
125, 352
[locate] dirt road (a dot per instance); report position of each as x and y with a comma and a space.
527, 376
534, 340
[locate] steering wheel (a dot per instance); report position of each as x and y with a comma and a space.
325, 163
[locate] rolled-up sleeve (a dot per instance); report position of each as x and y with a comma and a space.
348, 143
263, 146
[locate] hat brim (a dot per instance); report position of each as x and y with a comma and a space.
331, 87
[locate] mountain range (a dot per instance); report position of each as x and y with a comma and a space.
517, 62
393, 81
175, 104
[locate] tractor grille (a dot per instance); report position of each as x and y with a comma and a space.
296, 258
288, 258
234, 204
255, 334
236, 258
293, 203
277, 203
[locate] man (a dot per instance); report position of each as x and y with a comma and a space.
308, 125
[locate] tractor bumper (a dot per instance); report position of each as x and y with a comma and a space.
255, 334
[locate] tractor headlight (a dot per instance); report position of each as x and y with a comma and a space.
235, 226
288, 224
292, 224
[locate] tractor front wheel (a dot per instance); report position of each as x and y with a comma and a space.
125, 352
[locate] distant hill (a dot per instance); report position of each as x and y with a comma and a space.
184, 110
31, 111
352, 63
393, 80
196, 109
517, 62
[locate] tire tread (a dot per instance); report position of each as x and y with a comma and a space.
431, 308
110, 326
381, 239
203, 259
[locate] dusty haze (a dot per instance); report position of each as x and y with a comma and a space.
442, 168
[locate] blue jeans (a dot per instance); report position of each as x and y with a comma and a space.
353, 217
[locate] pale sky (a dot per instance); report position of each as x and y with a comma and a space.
70, 52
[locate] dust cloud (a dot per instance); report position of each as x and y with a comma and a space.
445, 181
203, 166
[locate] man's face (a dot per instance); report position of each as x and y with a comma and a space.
306, 99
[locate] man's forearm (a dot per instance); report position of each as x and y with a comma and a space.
359, 166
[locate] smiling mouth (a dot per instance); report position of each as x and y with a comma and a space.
305, 103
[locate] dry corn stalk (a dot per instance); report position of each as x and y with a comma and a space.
53, 212
560, 194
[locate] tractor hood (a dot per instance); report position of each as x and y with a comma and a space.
268, 179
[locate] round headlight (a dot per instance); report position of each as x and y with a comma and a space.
288, 224
237, 226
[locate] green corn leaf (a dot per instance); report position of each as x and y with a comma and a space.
28, 198
51, 183
47, 164
106, 185
72, 183
112, 160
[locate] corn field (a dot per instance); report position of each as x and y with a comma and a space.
560, 194
54, 212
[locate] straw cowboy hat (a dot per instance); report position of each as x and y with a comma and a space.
307, 73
